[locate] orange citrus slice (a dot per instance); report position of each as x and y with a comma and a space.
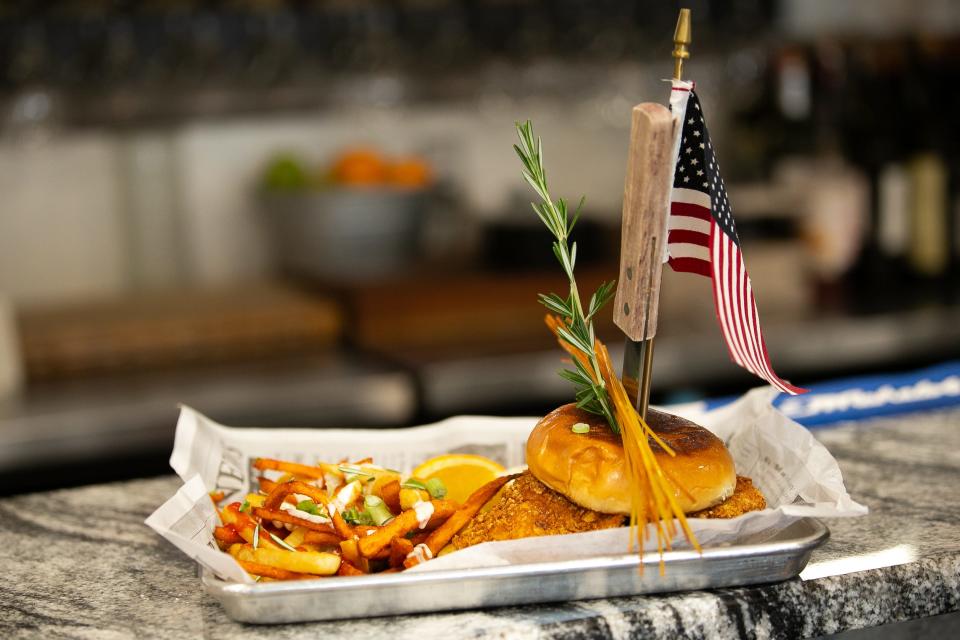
461, 473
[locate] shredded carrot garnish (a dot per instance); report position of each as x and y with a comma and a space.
652, 499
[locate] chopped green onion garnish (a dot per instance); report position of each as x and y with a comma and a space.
256, 536
580, 427
245, 506
281, 542
377, 510
308, 506
436, 488
356, 516
413, 483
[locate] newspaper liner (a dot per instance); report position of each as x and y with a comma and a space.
796, 474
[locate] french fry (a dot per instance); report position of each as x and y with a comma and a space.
244, 524
296, 537
399, 549
319, 538
295, 468
404, 523
255, 499
445, 532
257, 569
227, 535
410, 497
271, 515
312, 562
281, 491
347, 569
351, 554
390, 493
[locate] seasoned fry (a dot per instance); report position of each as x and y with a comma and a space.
319, 537
281, 491
243, 524
404, 523
271, 515
290, 467
445, 532
278, 544
227, 535
257, 569
312, 562
400, 548
390, 494
347, 569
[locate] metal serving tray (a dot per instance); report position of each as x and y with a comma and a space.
750, 561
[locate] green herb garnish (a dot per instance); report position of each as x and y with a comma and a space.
281, 542
351, 473
413, 483
256, 536
436, 488
308, 506
245, 507
357, 516
577, 328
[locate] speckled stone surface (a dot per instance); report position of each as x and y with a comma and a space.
81, 564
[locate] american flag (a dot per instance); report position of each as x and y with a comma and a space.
702, 239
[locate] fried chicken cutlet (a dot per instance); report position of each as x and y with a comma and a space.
527, 507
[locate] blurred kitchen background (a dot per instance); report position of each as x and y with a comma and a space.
308, 212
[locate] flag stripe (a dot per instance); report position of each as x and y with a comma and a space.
690, 210
686, 223
685, 236
690, 265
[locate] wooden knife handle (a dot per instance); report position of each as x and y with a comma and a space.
646, 202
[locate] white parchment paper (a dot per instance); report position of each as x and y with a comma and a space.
797, 475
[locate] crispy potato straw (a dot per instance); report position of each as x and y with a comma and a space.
651, 499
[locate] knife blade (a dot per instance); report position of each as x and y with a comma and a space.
646, 201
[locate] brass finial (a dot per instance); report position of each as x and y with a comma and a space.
681, 38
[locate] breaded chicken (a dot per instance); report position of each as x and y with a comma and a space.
527, 508
746, 497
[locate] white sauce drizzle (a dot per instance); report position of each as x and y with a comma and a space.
423, 510
292, 510
345, 496
421, 553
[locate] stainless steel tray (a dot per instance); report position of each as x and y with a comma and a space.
755, 560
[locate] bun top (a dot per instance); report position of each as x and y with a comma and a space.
590, 468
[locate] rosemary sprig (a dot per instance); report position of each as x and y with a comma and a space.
577, 328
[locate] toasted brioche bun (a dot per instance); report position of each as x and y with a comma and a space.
590, 469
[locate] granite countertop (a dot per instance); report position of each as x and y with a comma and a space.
80, 563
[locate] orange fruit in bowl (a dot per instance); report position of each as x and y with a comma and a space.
410, 173
461, 473
359, 167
